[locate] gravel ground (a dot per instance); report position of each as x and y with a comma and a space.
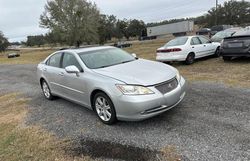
212, 123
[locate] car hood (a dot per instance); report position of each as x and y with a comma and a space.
139, 72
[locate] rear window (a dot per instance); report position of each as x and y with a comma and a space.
177, 41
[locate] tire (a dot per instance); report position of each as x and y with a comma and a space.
227, 58
46, 91
190, 59
104, 108
217, 52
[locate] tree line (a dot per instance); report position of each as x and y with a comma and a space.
77, 22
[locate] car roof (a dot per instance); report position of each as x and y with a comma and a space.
87, 49
242, 32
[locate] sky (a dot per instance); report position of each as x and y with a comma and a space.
20, 18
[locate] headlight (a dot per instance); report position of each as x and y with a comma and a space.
178, 76
134, 90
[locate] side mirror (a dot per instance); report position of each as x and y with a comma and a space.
134, 55
72, 69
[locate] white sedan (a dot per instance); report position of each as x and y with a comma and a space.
187, 49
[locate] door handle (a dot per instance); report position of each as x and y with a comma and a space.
45, 69
205, 45
61, 74
192, 46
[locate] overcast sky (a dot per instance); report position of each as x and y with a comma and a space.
20, 18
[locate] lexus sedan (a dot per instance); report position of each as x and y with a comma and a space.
111, 82
237, 45
187, 49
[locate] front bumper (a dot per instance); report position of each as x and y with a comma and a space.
136, 108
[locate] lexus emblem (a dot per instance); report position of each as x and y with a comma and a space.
170, 85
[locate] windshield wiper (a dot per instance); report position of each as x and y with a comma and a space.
126, 61
105, 66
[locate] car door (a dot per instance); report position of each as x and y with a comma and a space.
197, 47
74, 86
53, 72
207, 45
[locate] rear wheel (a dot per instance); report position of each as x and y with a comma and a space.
217, 52
227, 58
46, 90
104, 108
190, 59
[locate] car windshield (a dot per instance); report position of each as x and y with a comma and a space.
105, 58
177, 41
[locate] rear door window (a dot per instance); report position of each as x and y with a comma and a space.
55, 60
204, 40
195, 41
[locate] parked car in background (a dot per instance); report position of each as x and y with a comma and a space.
204, 32
111, 82
218, 28
122, 44
237, 45
13, 55
187, 49
219, 36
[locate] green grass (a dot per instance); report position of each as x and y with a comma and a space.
27, 56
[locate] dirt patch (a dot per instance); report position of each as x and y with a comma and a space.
108, 150
99, 149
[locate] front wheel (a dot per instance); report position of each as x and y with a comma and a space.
104, 108
190, 59
217, 53
46, 90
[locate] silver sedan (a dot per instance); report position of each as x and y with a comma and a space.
111, 82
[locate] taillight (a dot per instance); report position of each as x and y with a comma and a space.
168, 50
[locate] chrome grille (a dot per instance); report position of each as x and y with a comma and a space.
168, 86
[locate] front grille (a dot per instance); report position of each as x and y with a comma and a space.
168, 86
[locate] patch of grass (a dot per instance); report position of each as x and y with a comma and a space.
147, 49
27, 56
19, 142
235, 73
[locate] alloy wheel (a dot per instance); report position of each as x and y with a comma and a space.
103, 108
46, 90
